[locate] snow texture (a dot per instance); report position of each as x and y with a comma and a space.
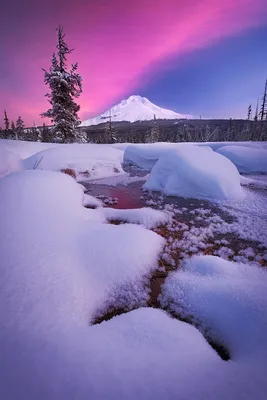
92, 161
135, 108
195, 172
247, 159
226, 300
148, 217
9, 161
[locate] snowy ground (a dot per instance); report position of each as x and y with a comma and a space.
112, 291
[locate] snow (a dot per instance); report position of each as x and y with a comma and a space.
195, 172
60, 247
148, 217
23, 148
146, 155
222, 298
121, 180
9, 161
135, 108
246, 159
92, 161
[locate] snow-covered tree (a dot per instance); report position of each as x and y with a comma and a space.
110, 136
6, 120
65, 86
80, 136
35, 134
153, 135
19, 128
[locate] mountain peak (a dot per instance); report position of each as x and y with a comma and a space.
135, 108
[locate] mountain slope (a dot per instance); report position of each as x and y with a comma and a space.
135, 108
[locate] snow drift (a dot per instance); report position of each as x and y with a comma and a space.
9, 161
195, 172
247, 159
92, 160
226, 300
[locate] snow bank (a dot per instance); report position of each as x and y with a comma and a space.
25, 149
148, 217
195, 172
226, 299
60, 251
246, 159
91, 160
146, 155
9, 161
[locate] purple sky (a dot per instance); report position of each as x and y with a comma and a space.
142, 47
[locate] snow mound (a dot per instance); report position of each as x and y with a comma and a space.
91, 160
135, 108
226, 299
25, 149
195, 172
148, 217
247, 159
146, 155
9, 161
58, 261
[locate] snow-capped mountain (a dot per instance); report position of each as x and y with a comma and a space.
135, 108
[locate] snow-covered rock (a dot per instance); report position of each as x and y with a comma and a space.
248, 159
135, 108
196, 172
145, 156
95, 161
9, 161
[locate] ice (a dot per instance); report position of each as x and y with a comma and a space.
195, 172
246, 159
9, 161
91, 161
147, 217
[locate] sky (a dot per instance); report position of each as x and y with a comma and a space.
199, 57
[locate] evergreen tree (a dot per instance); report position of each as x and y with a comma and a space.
110, 131
256, 111
39, 137
263, 113
263, 110
154, 133
13, 126
19, 128
81, 136
47, 134
65, 87
6, 121
249, 112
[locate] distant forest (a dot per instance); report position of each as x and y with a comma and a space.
150, 131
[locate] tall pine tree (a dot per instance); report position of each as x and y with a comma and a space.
6, 120
65, 87
19, 128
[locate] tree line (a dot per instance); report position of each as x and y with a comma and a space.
66, 85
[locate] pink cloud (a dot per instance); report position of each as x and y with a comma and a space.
117, 43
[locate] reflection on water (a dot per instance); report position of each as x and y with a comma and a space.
128, 196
